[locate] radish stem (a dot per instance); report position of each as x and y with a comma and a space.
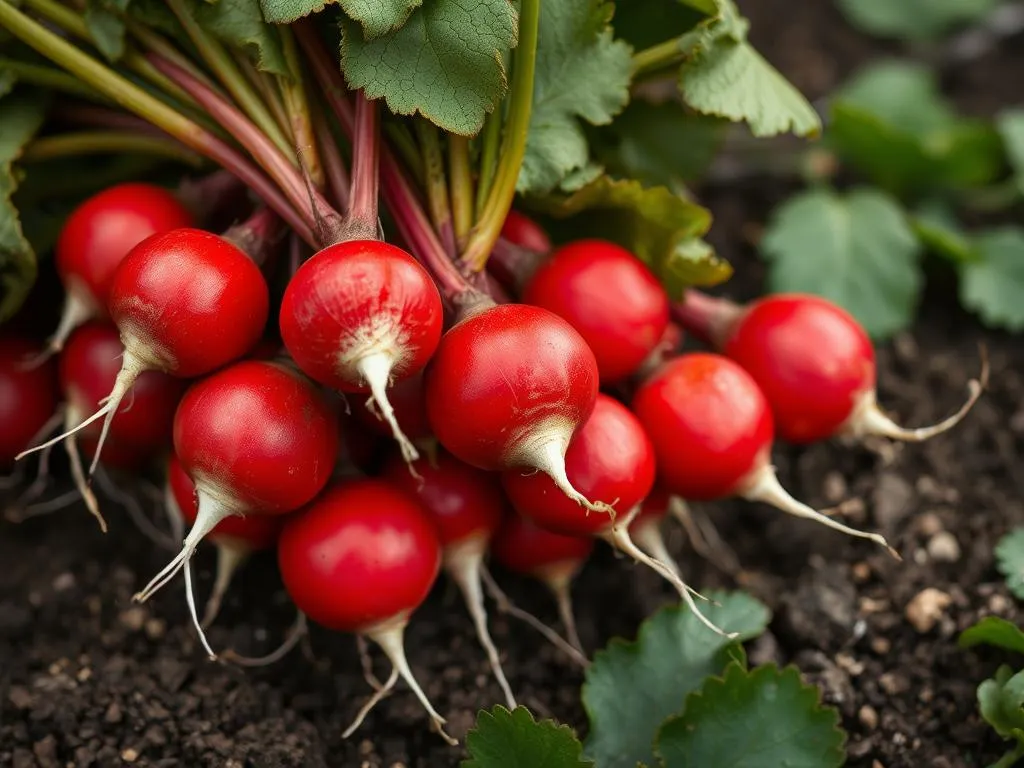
461, 186
437, 185
108, 142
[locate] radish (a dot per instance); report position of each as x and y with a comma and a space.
523, 547
255, 438
508, 386
28, 397
610, 459
186, 302
235, 537
645, 529
609, 296
524, 232
359, 314
361, 559
97, 236
813, 361
466, 505
712, 433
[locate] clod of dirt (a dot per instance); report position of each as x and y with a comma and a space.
891, 501
926, 608
823, 607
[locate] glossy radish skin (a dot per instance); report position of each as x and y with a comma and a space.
508, 387
255, 438
361, 559
524, 232
712, 433
360, 314
610, 459
28, 396
609, 296
95, 239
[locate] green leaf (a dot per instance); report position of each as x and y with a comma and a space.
913, 19
1001, 701
660, 227
937, 228
106, 26
21, 115
503, 739
582, 74
379, 17
1010, 125
993, 287
644, 23
631, 687
240, 24
446, 62
856, 250
1010, 561
993, 630
753, 719
287, 11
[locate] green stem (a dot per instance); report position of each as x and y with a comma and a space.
490, 141
293, 89
657, 58
51, 79
499, 199
436, 184
108, 142
268, 90
461, 186
223, 66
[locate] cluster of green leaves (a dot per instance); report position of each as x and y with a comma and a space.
678, 696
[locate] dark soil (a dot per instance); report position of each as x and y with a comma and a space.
88, 679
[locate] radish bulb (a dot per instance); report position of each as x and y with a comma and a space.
255, 438
465, 505
28, 396
712, 433
361, 559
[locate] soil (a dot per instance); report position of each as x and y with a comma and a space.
88, 679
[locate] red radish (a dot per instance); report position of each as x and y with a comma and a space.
235, 537
645, 529
408, 399
361, 559
97, 236
813, 361
359, 314
186, 302
28, 397
508, 386
523, 547
466, 505
712, 433
524, 232
609, 296
610, 459
255, 438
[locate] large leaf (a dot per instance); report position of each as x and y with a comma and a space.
993, 630
380, 16
287, 11
103, 19
856, 250
1010, 561
645, 23
240, 24
657, 225
993, 286
754, 719
913, 19
446, 62
937, 228
631, 687
21, 115
503, 739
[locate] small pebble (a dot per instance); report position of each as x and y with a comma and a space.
881, 645
944, 548
134, 618
999, 603
64, 582
926, 608
155, 628
868, 717
929, 524
129, 755
861, 572
877, 764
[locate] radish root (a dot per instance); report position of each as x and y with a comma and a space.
299, 630
376, 372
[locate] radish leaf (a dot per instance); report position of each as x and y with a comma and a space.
993, 630
106, 27
1010, 125
287, 11
1010, 553
937, 228
856, 250
575, 45
992, 287
1001, 701
446, 62
631, 687
503, 739
379, 17
913, 19
750, 719
240, 24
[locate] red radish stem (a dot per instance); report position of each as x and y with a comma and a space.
523, 547
185, 302
235, 537
645, 529
28, 397
712, 434
96, 237
255, 438
613, 460
466, 506
361, 559
813, 361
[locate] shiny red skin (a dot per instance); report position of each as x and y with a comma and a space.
523, 231
654, 506
710, 425
609, 296
524, 547
354, 291
362, 554
499, 374
89, 364
812, 360
188, 302
408, 398
28, 396
610, 459
255, 531
257, 436
100, 232
464, 502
